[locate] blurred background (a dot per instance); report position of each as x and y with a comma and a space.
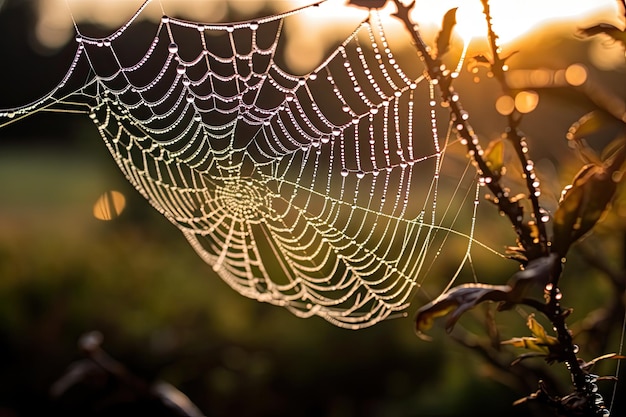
80, 250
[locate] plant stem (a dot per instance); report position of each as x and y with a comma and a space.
439, 75
533, 245
515, 136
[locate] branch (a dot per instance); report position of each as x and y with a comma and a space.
515, 136
440, 76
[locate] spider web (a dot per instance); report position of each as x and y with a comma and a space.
320, 193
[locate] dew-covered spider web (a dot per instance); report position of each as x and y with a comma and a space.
334, 193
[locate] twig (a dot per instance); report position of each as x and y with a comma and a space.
515, 136
439, 75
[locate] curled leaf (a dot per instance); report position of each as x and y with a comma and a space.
462, 298
445, 34
607, 29
457, 301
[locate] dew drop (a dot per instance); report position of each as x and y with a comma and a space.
360, 174
313, 76
186, 82
254, 25
336, 132
344, 172
190, 98
345, 108
180, 69
289, 97
173, 48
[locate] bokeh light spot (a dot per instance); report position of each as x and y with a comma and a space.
505, 105
109, 205
526, 101
576, 75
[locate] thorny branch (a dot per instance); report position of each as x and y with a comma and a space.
438, 74
531, 235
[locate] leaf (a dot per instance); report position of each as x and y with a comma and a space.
456, 302
464, 297
494, 157
445, 34
535, 275
607, 29
588, 124
540, 342
582, 205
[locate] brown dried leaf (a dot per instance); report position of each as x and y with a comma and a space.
457, 301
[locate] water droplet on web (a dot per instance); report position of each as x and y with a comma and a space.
186, 82
197, 117
230, 29
289, 97
313, 76
254, 25
344, 172
345, 108
326, 139
180, 69
190, 98
336, 131
360, 174
173, 48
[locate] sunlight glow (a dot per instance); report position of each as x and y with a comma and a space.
512, 18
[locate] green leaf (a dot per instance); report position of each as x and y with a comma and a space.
445, 35
588, 124
494, 157
540, 342
582, 205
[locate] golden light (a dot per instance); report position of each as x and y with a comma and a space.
526, 101
109, 205
576, 75
511, 18
505, 105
